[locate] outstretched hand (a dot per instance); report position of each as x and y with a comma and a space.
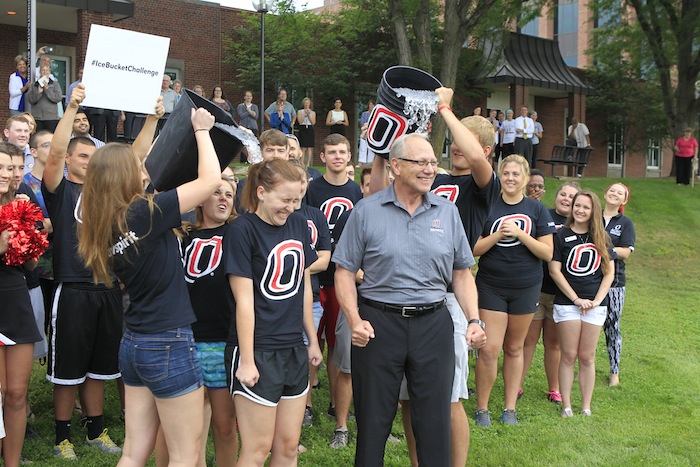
77, 96
202, 119
444, 96
160, 109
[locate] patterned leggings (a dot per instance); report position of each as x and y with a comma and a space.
613, 336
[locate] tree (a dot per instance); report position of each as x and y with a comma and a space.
316, 55
624, 78
431, 35
664, 57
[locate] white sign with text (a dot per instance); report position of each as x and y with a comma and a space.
123, 69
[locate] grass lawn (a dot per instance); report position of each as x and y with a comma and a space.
651, 419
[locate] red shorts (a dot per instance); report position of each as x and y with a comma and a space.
330, 314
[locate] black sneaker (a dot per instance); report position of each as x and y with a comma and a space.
340, 439
308, 417
29, 433
331, 411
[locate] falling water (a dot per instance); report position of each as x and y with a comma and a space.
419, 106
248, 139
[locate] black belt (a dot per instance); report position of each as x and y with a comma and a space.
405, 311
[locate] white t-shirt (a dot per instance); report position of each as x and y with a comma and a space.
580, 134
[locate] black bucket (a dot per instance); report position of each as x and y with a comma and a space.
173, 160
388, 121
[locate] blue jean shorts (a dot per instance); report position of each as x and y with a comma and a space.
318, 312
165, 362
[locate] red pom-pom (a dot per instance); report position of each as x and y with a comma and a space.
27, 242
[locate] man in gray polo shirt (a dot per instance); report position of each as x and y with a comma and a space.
410, 244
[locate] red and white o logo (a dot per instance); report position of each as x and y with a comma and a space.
333, 208
202, 257
449, 192
284, 271
521, 220
313, 231
583, 260
383, 129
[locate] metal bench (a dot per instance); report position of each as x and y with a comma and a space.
568, 156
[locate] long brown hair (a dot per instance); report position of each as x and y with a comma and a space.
267, 174
596, 230
112, 183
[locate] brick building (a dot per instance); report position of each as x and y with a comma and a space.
197, 49
197, 56
572, 24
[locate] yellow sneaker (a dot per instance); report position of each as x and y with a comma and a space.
65, 450
104, 443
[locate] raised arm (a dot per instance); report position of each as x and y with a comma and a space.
465, 140
143, 141
378, 179
53, 171
193, 193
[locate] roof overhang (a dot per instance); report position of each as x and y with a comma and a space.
534, 62
61, 15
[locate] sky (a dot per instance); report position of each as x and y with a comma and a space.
248, 4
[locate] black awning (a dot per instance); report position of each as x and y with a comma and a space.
120, 9
533, 61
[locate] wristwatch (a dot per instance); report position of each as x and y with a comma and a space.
479, 322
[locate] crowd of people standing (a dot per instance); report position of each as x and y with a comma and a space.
254, 252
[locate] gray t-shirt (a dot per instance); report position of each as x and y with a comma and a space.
407, 260
169, 100
289, 108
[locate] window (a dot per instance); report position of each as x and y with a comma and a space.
608, 16
616, 146
654, 154
566, 30
532, 28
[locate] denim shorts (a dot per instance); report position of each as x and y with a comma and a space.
164, 362
318, 313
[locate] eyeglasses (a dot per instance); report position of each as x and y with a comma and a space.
422, 163
536, 185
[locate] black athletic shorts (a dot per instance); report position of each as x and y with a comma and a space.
84, 333
514, 301
284, 374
